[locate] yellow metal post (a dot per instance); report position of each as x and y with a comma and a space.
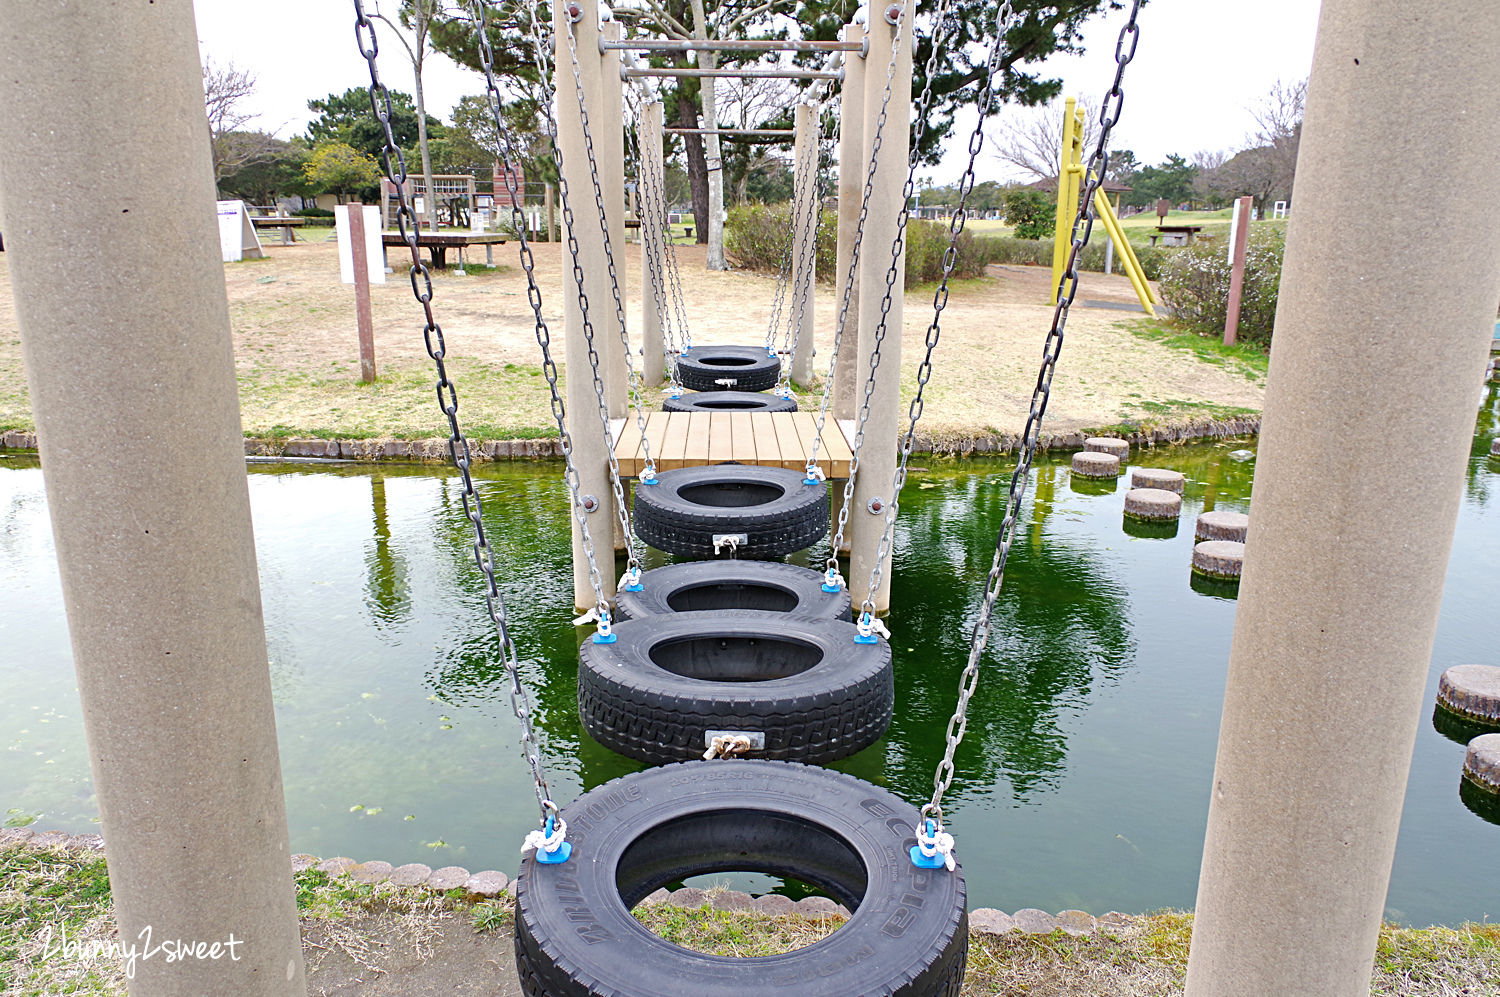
1069, 175
1128, 262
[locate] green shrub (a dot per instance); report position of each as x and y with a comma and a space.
313, 213
1030, 212
1195, 285
755, 237
926, 242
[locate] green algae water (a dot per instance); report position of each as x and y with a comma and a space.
1083, 781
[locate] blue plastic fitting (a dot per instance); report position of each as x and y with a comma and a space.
922, 861
562, 852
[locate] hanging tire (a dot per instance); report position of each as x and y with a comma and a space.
769, 510
802, 689
728, 401
575, 936
746, 368
770, 586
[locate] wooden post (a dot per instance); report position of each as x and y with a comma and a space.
607, 125
805, 225
590, 442
125, 336
550, 209
1239, 236
653, 250
362, 316
1344, 566
852, 172
877, 461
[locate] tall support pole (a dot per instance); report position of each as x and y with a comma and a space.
653, 247
131, 372
1344, 569
877, 461
804, 247
1239, 239
852, 163
589, 441
607, 125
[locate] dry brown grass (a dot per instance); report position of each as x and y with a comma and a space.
297, 358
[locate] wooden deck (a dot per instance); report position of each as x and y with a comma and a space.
768, 439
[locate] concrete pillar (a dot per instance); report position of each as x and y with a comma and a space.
1344, 568
877, 461
853, 163
589, 440
607, 125
125, 336
651, 186
804, 236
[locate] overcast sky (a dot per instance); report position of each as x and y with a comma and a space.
1200, 65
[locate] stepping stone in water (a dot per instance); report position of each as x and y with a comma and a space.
1222, 525
1092, 464
1472, 692
1107, 444
1154, 504
1220, 559
1158, 477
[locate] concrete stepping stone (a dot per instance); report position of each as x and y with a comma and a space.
1158, 477
369, 872
773, 904
1222, 525
335, 865
689, 897
816, 907
1092, 464
302, 861
1152, 504
989, 921
1472, 692
1107, 444
1219, 559
1035, 922
1076, 922
449, 877
1482, 762
489, 883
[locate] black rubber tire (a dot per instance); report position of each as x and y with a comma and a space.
772, 506
815, 694
770, 586
728, 401
702, 368
575, 936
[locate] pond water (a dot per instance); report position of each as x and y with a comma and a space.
1083, 781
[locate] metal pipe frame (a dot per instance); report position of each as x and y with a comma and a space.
745, 45
749, 74
788, 132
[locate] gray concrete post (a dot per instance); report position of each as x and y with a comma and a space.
877, 462
125, 336
1344, 568
607, 125
853, 163
653, 247
804, 224
589, 441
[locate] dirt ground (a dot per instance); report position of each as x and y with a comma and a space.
297, 352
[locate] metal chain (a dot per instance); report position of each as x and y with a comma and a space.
651, 206
807, 252
1083, 224
940, 297
458, 444
633, 380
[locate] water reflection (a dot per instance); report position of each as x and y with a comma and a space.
387, 592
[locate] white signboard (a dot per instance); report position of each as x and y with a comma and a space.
237, 238
374, 254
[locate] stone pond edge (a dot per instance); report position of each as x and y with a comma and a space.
436, 449
491, 884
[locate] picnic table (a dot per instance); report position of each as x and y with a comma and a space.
287, 225
438, 243
1176, 235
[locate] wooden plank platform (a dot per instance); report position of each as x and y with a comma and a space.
767, 439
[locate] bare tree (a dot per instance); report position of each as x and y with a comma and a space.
752, 103
1266, 168
1030, 138
225, 90
732, 19
417, 16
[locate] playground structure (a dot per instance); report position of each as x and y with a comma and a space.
179, 714
1069, 184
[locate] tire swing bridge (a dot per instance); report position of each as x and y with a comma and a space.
768, 668
735, 673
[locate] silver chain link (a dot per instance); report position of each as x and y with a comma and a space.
940, 297
458, 444
1083, 225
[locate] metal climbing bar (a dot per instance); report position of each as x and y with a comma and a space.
748, 74
741, 45
731, 131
